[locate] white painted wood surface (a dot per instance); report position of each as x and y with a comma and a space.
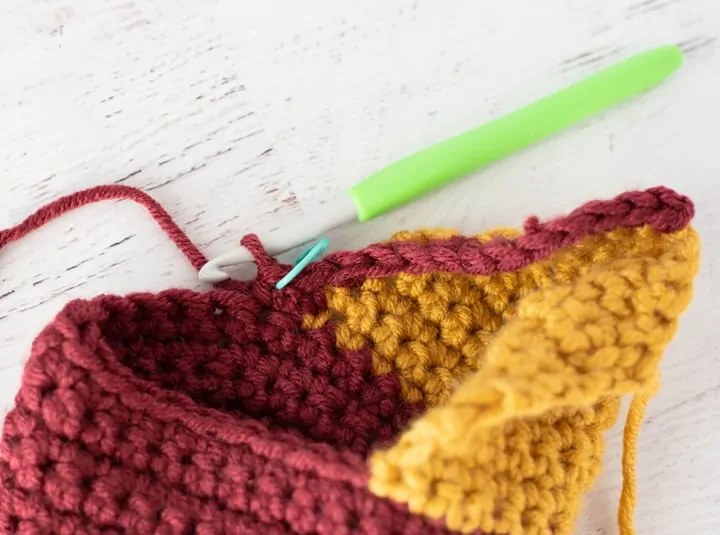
238, 115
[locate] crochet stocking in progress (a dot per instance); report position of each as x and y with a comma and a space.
431, 384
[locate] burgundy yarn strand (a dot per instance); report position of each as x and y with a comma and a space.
65, 204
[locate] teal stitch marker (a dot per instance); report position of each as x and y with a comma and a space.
310, 254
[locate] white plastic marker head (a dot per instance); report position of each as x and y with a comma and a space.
440, 164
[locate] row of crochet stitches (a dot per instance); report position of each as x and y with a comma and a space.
247, 410
660, 208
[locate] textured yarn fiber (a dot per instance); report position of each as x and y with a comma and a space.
431, 384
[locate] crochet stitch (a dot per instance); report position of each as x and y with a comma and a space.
431, 384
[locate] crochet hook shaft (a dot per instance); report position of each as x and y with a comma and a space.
440, 164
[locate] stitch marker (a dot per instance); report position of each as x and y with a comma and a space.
301, 263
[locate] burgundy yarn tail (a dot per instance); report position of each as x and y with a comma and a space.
78, 199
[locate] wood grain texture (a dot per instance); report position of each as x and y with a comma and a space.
242, 115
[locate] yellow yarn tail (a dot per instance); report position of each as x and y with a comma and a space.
628, 497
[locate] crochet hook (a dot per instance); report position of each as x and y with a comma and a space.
440, 164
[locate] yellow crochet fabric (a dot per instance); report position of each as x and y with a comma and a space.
522, 372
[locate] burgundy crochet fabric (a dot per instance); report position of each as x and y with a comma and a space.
208, 413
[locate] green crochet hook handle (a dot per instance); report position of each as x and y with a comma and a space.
439, 164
